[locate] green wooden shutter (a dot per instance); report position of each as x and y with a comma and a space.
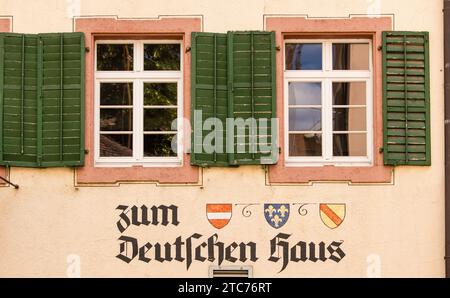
62, 91
406, 98
42, 99
233, 76
18, 99
209, 94
252, 95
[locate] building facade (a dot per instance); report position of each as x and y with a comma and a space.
346, 178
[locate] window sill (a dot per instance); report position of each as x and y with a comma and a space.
295, 163
113, 173
169, 163
283, 173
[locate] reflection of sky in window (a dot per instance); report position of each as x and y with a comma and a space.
305, 119
305, 93
307, 57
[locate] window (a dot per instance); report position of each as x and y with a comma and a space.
328, 106
230, 271
138, 91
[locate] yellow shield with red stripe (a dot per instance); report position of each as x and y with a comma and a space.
332, 215
219, 215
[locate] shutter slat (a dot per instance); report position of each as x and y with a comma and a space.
406, 100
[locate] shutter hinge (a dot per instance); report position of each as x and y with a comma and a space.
9, 182
279, 150
380, 48
381, 150
188, 49
278, 48
86, 151
87, 49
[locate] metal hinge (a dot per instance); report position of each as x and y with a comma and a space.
9, 182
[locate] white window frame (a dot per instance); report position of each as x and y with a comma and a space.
138, 76
327, 76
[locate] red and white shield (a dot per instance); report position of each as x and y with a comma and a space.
219, 215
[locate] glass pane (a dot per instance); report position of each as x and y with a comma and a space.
305, 144
116, 94
159, 94
162, 57
114, 57
116, 145
303, 56
160, 145
305, 93
309, 119
349, 93
354, 144
116, 120
159, 119
349, 119
350, 56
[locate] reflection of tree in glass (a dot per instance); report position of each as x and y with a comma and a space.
116, 119
159, 94
159, 145
116, 94
162, 57
159, 119
114, 57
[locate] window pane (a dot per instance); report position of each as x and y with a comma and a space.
305, 93
116, 145
308, 119
116, 120
349, 119
159, 119
160, 145
114, 57
305, 144
349, 93
162, 57
350, 56
119, 94
160, 94
354, 144
303, 56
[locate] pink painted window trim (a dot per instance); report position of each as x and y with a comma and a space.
5, 26
355, 26
167, 26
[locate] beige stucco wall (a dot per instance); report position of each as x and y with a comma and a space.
48, 219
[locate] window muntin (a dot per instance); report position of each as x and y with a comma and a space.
137, 111
328, 110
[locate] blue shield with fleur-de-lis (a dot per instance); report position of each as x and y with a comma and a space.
276, 214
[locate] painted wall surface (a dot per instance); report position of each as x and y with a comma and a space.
49, 227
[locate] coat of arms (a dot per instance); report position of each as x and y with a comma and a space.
276, 214
219, 215
332, 215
